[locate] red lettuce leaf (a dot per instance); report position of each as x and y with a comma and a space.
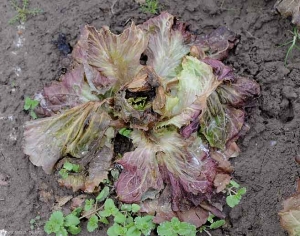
166, 46
72, 132
71, 91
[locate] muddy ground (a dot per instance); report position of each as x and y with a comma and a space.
266, 165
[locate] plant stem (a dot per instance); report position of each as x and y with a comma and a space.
92, 212
207, 232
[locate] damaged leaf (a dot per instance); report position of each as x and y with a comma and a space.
289, 8
73, 132
290, 215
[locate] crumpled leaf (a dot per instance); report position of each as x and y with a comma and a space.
221, 181
166, 45
219, 123
215, 45
238, 91
140, 178
289, 8
165, 155
74, 181
95, 79
195, 215
195, 83
72, 132
223, 156
98, 169
137, 100
117, 57
71, 91
98, 161
290, 215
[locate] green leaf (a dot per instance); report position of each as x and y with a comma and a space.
126, 207
242, 191
187, 229
115, 174
166, 229
145, 224
32, 227
32, 221
210, 218
104, 220
103, 194
202, 228
71, 220
32, 114
232, 200
217, 224
74, 230
77, 211
104, 213
57, 218
34, 104
109, 207
62, 232
76, 168
38, 217
129, 219
137, 103
89, 204
68, 166
135, 208
27, 103
92, 223
125, 132
234, 184
51, 227
133, 231
116, 229
120, 218
63, 173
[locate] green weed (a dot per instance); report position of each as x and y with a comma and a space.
234, 194
23, 12
150, 6
292, 44
30, 105
67, 168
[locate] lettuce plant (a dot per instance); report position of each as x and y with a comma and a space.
181, 107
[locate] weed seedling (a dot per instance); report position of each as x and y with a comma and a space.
125, 132
150, 6
35, 222
212, 224
30, 105
23, 12
234, 194
292, 44
67, 168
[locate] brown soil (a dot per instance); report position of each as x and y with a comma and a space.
266, 165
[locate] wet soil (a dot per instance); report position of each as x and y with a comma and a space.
29, 60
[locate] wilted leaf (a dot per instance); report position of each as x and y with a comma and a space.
117, 57
221, 181
217, 44
290, 215
72, 132
166, 46
61, 201
289, 8
74, 181
196, 216
71, 91
195, 83
237, 91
